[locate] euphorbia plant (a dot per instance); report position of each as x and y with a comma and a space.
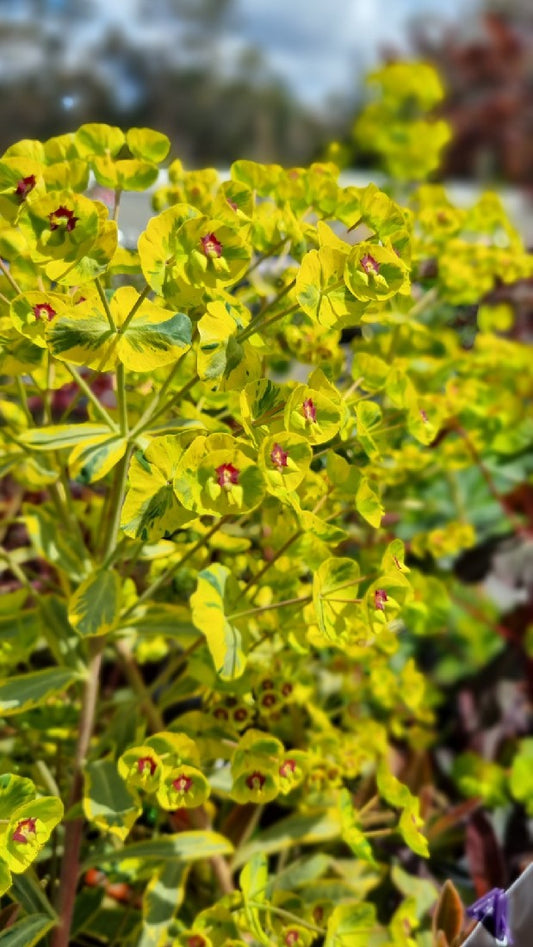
217, 446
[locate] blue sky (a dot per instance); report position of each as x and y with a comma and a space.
319, 47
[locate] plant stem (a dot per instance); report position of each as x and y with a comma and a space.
121, 399
105, 304
157, 583
116, 500
136, 682
258, 326
6, 271
257, 578
99, 408
134, 309
146, 418
268, 608
60, 936
281, 912
116, 208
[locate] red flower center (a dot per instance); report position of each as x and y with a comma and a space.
146, 762
369, 264
291, 938
182, 783
240, 714
287, 689
220, 713
269, 700
24, 186
309, 410
380, 597
278, 456
63, 216
196, 941
24, 828
287, 768
211, 246
227, 475
44, 311
256, 780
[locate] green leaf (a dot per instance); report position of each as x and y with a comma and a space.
92, 460
335, 586
163, 896
14, 792
29, 893
33, 689
351, 830
106, 800
213, 599
27, 932
124, 174
54, 542
350, 925
152, 338
58, 436
368, 504
298, 829
253, 881
151, 509
410, 824
369, 418
5, 880
148, 144
184, 846
321, 291
95, 138
95, 606
521, 775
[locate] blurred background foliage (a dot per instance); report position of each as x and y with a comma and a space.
277, 82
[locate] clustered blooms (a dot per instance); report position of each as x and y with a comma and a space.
24, 186
211, 246
309, 410
278, 456
227, 475
25, 828
60, 215
44, 311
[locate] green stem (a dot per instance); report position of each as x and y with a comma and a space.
5, 270
23, 398
268, 565
152, 589
134, 309
155, 405
259, 326
99, 408
116, 208
116, 500
268, 608
105, 304
281, 912
121, 399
